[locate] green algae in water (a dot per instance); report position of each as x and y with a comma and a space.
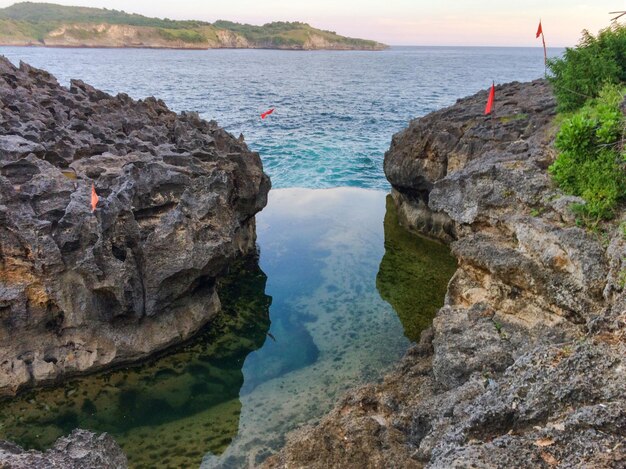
169, 411
321, 250
413, 274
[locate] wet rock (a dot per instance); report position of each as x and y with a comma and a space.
80, 291
81, 449
198, 402
524, 365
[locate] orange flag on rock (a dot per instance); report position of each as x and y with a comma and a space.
492, 96
94, 198
539, 30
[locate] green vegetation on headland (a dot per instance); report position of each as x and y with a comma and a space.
46, 24
590, 87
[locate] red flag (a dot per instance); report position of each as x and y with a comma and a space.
492, 95
543, 40
267, 113
94, 198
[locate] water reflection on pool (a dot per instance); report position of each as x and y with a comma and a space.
228, 398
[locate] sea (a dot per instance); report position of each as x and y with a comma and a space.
339, 291
335, 111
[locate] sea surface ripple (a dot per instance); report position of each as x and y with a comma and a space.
335, 111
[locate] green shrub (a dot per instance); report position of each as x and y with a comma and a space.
582, 72
589, 163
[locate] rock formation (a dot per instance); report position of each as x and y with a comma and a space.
80, 450
524, 365
80, 291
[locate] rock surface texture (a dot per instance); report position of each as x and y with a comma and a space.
80, 291
524, 365
80, 450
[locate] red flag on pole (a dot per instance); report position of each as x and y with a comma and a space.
267, 113
543, 40
94, 198
492, 96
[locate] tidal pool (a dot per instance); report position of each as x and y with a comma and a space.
299, 328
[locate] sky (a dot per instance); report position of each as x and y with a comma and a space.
398, 22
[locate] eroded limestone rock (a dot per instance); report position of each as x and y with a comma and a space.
80, 291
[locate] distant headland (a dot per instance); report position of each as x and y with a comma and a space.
51, 25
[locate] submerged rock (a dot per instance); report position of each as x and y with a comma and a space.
524, 365
80, 450
80, 291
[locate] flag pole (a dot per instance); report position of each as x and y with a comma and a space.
545, 50
493, 109
545, 55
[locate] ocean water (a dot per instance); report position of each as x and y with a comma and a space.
297, 332
335, 111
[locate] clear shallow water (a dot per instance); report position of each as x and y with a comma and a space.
335, 111
228, 398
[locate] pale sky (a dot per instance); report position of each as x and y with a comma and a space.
399, 22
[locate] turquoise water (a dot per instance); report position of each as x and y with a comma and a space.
296, 333
335, 111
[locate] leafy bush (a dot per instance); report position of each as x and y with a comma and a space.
596, 61
591, 163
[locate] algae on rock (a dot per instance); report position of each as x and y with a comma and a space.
413, 274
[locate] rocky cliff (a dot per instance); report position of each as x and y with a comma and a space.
80, 291
524, 365
103, 35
